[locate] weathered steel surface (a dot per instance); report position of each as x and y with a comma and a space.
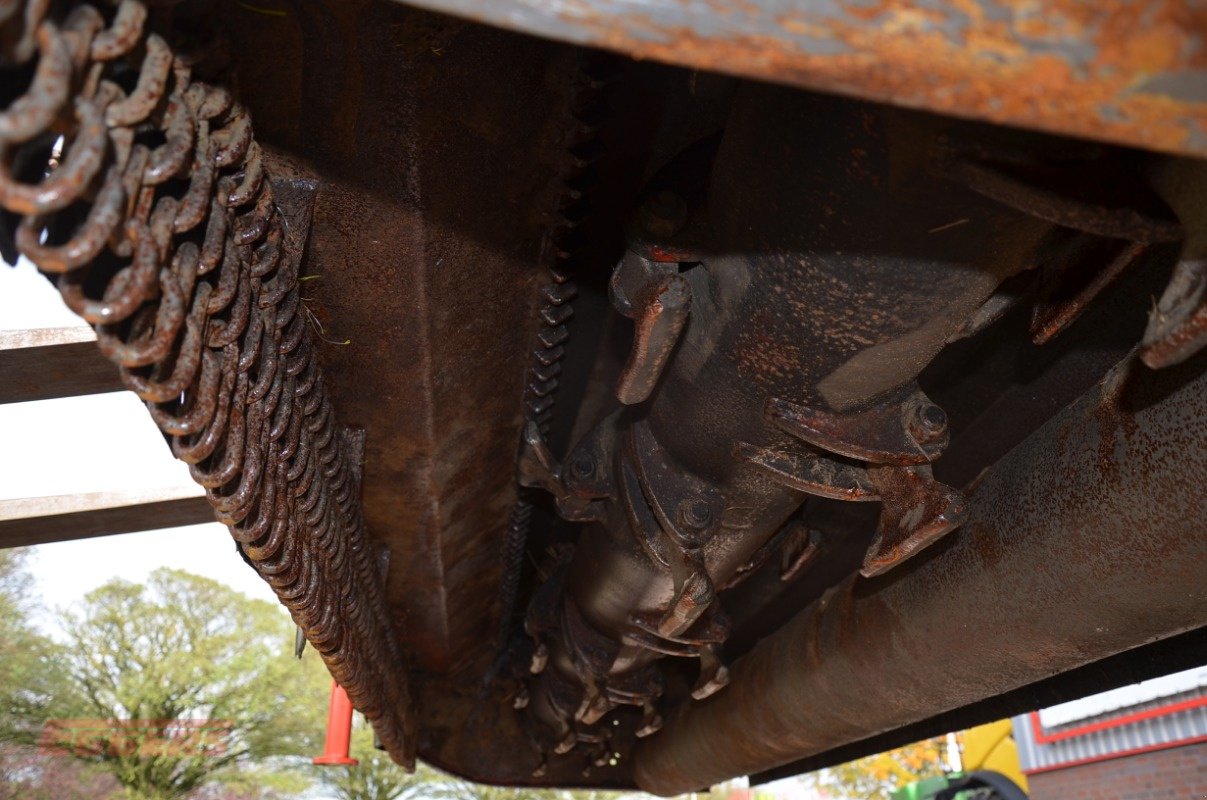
418, 165
1178, 325
566, 252
440, 152
1131, 72
694, 489
423, 257
165, 233
999, 386
1091, 530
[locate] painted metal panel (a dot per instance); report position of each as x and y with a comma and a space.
1124, 697
1145, 726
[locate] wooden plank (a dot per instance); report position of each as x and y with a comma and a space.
83, 519
52, 505
43, 364
45, 337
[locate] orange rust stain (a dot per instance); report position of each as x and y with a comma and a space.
803, 27
1151, 51
896, 53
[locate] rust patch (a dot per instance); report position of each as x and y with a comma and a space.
1126, 73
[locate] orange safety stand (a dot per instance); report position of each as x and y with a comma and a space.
339, 730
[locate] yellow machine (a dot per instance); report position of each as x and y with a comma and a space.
990, 770
991, 748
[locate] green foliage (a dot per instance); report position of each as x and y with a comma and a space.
31, 687
185, 647
876, 777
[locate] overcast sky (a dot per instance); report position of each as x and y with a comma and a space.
96, 443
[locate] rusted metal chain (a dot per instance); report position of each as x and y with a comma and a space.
561, 255
163, 231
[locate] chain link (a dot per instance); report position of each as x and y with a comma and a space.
160, 227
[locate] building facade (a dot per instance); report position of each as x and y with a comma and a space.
1142, 742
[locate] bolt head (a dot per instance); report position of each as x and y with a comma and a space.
933, 418
695, 514
929, 422
582, 466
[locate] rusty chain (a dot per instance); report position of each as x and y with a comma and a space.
160, 227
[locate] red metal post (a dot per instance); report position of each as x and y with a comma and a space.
339, 730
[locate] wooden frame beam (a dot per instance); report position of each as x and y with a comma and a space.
47, 363
42, 520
